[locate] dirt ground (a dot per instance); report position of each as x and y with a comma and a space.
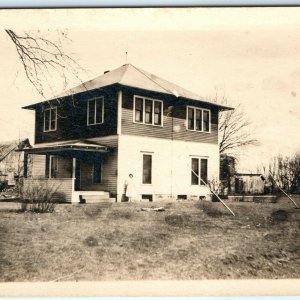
118, 241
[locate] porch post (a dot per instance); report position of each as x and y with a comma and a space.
73, 179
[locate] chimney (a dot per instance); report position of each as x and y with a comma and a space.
106, 71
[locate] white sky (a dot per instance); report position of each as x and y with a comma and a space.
251, 55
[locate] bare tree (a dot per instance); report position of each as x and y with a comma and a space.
234, 128
286, 172
44, 60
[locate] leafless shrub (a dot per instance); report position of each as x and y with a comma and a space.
214, 184
38, 198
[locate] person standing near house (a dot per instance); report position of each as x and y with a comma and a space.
129, 187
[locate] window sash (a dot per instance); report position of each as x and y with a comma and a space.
195, 171
191, 113
157, 112
47, 114
95, 111
199, 169
198, 119
147, 169
203, 173
139, 107
206, 121
50, 119
148, 111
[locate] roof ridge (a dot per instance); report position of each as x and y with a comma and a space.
126, 66
142, 72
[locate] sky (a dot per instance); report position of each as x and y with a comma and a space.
250, 56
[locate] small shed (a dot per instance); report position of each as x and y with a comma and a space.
248, 183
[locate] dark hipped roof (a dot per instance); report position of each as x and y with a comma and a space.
129, 75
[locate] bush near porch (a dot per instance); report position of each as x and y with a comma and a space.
118, 241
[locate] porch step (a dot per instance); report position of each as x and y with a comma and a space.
96, 198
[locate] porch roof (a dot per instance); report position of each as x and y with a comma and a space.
67, 146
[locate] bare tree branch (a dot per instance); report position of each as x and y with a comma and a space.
234, 128
44, 59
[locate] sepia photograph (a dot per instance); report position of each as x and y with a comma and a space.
149, 144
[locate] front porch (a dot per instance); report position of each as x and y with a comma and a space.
77, 170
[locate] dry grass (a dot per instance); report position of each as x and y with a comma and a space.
190, 240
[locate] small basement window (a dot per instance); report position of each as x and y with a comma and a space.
147, 197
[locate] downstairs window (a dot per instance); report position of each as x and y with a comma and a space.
198, 171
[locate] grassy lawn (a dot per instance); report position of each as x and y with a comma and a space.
118, 241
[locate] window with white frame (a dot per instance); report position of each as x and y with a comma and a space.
198, 119
148, 111
95, 111
198, 170
147, 168
50, 119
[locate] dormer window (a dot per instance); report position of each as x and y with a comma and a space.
95, 111
50, 119
198, 119
148, 111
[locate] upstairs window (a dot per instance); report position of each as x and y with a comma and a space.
198, 119
95, 111
148, 111
50, 119
198, 171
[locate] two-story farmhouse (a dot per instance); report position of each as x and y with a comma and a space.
126, 121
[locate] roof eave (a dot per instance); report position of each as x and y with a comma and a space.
34, 105
220, 107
